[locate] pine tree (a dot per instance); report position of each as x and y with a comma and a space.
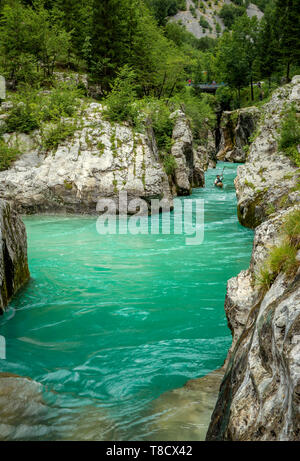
231, 62
110, 39
287, 28
268, 53
245, 34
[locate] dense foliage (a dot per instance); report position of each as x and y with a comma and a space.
139, 61
282, 258
290, 134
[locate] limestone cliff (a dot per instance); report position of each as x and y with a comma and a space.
236, 128
269, 180
259, 397
210, 12
98, 161
13, 254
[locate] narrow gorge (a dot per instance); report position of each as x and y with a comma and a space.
149, 223
258, 398
259, 395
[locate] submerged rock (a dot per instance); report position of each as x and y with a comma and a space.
22, 409
14, 270
184, 413
98, 161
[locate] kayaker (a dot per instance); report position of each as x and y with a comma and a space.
219, 181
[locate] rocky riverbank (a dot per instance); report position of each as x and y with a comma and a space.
14, 270
98, 161
236, 128
259, 395
269, 180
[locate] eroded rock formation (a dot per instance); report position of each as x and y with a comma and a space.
236, 128
259, 397
13, 254
269, 180
98, 161
189, 171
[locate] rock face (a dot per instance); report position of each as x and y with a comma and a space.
21, 407
99, 161
269, 180
190, 18
184, 413
236, 128
13, 254
188, 172
206, 154
259, 397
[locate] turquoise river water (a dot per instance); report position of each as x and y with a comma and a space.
108, 323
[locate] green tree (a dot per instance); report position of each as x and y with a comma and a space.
47, 39
231, 62
122, 96
229, 13
287, 29
162, 9
245, 35
76, 17
114, 28
30, 37
15, 61
268, 52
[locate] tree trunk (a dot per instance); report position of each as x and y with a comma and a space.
252, 93
288, 72
162, 86
173, 88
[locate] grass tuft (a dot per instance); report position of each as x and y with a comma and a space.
282, 258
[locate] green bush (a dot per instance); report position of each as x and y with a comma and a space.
62, 101
7, 155
203, 23
282, 258
32, 107
53, 137
229, 13
157, 113
200, 111
181, 5
218, 28
225, 97
170, 164
162, 125
193, 11
291, 229
290, 135
120, 101
22, 119
264, 278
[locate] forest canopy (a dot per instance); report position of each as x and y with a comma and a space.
104, 37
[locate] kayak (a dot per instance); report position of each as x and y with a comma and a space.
219, 184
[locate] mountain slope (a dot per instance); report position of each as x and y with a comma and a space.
211, 23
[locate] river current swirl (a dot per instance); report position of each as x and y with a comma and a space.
108, 323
